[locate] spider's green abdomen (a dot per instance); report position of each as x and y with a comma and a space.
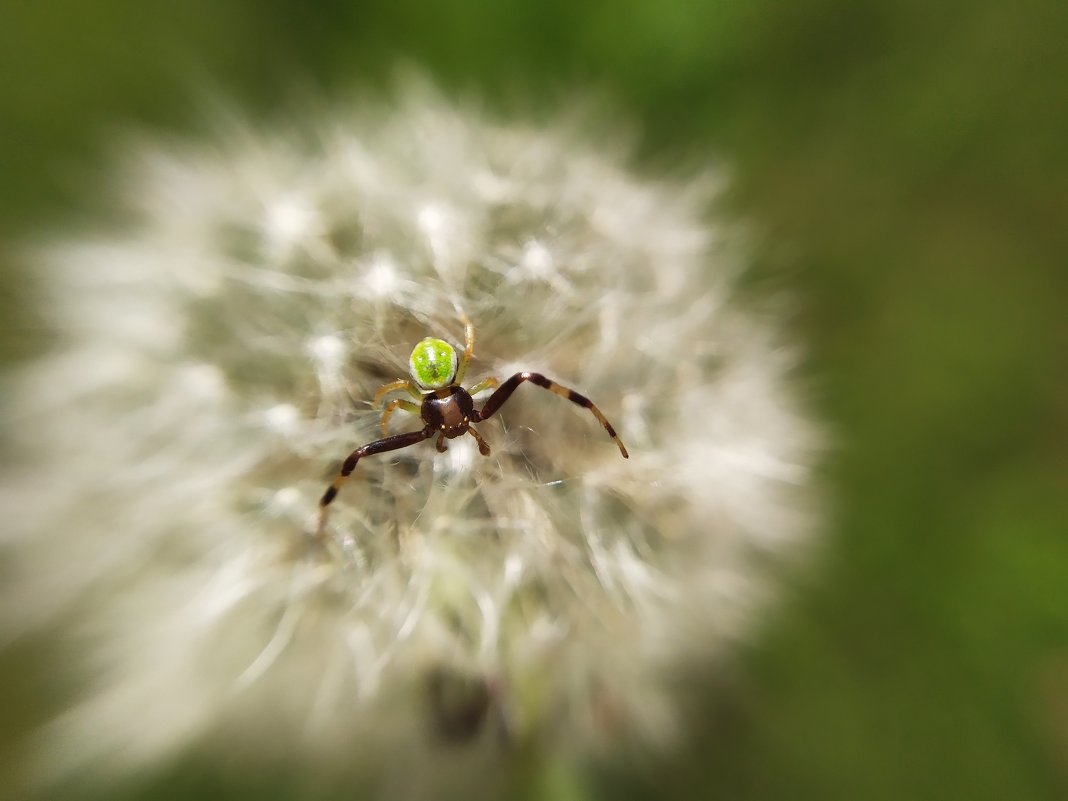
432, 363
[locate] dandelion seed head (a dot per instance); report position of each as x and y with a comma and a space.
289, 222
282, 418
328, 350
219, 358
382, 278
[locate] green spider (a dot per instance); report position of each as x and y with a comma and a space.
446, 408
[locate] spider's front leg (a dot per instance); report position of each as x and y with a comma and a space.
504, 392
378, 446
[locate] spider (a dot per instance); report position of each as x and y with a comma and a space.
445, 407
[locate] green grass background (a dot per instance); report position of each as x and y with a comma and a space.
907, 163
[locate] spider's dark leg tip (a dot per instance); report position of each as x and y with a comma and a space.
328, 496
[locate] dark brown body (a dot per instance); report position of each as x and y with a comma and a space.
450, 410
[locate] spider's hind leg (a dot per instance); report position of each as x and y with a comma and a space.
483, 385
407, 405
400, 383
469, 349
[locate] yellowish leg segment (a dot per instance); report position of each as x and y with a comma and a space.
400, 383
469, 350
407, 405
484, 384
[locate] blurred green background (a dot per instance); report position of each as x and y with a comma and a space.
907, 164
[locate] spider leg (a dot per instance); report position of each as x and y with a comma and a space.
505, 390
440, 444
483, 446
407, 405
485, 383
400, 383
469, 349
370, 449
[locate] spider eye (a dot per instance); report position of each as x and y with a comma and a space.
432, 363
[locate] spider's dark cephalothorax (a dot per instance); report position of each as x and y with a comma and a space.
445, 407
